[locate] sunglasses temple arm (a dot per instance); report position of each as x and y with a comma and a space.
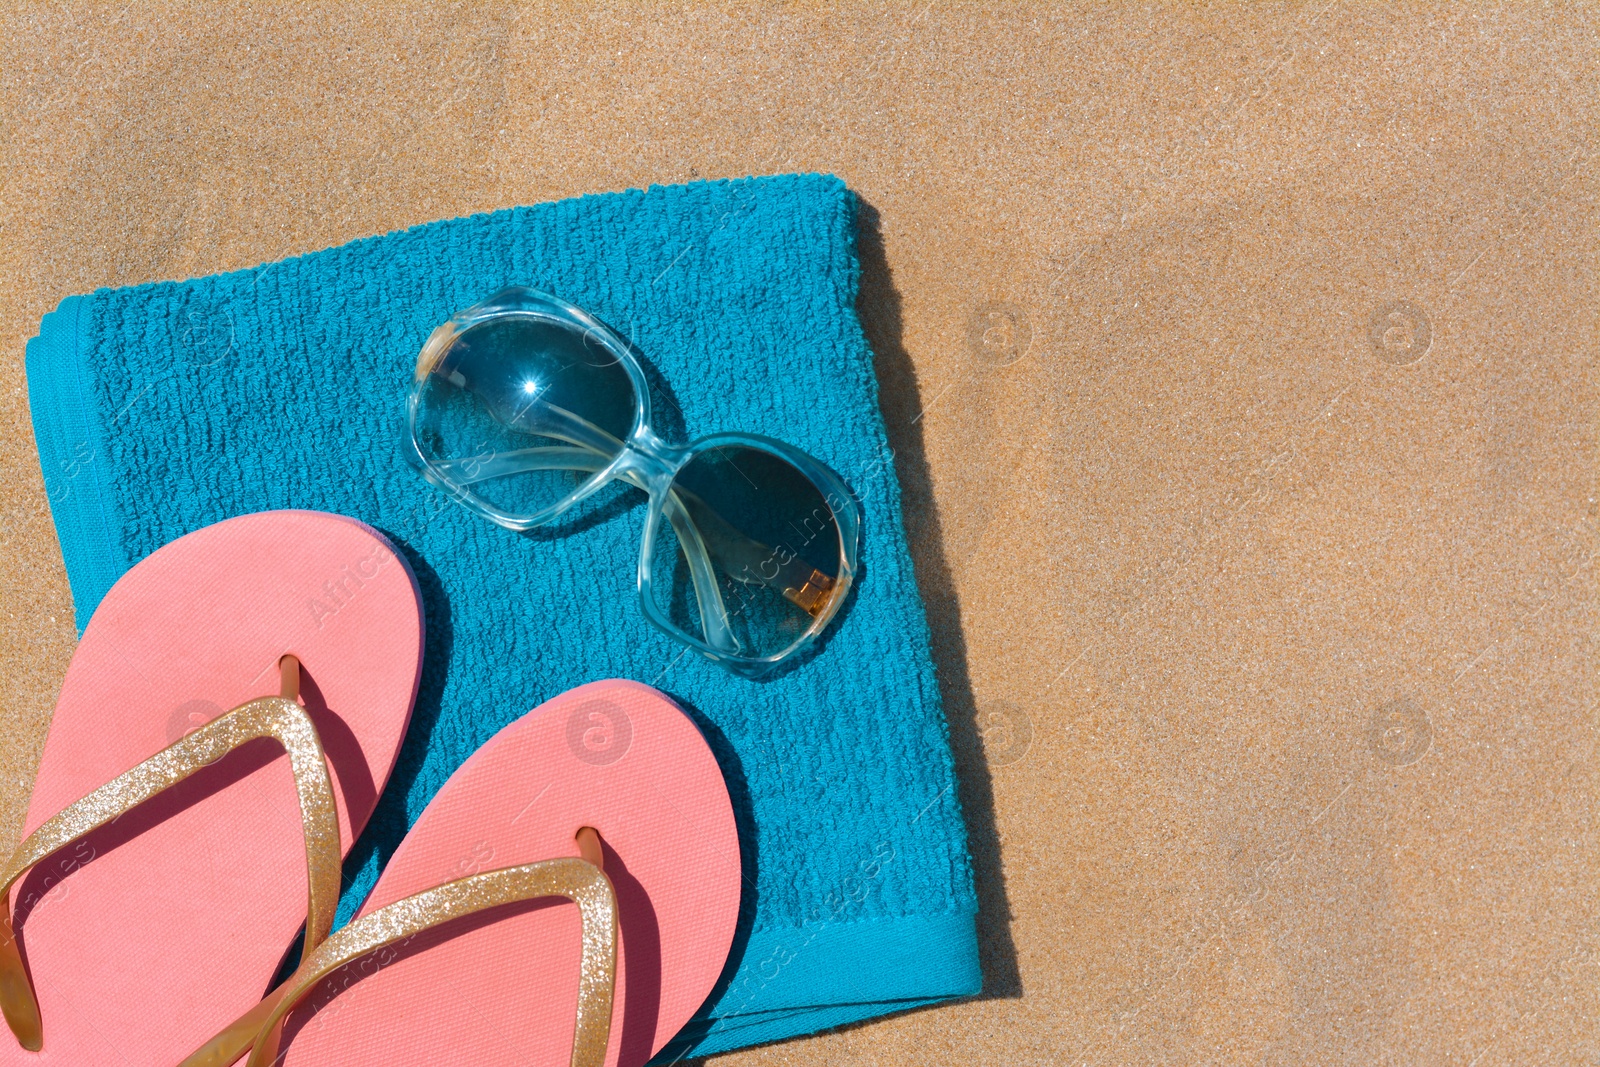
590, 448
472, 469
713, 610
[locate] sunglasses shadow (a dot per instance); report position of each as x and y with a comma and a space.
666, 414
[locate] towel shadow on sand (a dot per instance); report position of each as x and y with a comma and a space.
878, 307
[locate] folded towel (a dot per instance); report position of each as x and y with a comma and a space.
162, 408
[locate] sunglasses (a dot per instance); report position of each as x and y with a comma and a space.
524, 407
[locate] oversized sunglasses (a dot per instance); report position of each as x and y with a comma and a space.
525, 406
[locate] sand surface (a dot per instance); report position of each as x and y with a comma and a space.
1239, 361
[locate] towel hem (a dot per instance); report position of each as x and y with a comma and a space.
872, 967
72, 453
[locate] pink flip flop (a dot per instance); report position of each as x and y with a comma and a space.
164, 874
465, 952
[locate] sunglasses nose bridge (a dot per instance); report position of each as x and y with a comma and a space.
647, 460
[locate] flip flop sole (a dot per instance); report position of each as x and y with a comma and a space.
502, 987
149, 935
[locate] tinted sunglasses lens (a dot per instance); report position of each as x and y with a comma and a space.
521, 409
747, 555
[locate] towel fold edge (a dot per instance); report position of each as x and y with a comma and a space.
871, 967
866, 962
72, 453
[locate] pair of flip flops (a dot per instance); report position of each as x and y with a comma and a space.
172, 854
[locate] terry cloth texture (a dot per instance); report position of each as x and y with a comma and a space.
165, 407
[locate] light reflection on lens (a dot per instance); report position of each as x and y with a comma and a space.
519, 411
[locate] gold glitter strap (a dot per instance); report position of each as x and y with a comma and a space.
277, 717
578, 880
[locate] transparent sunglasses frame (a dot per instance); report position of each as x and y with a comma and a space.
643, 460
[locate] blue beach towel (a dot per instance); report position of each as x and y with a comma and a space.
162, 408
